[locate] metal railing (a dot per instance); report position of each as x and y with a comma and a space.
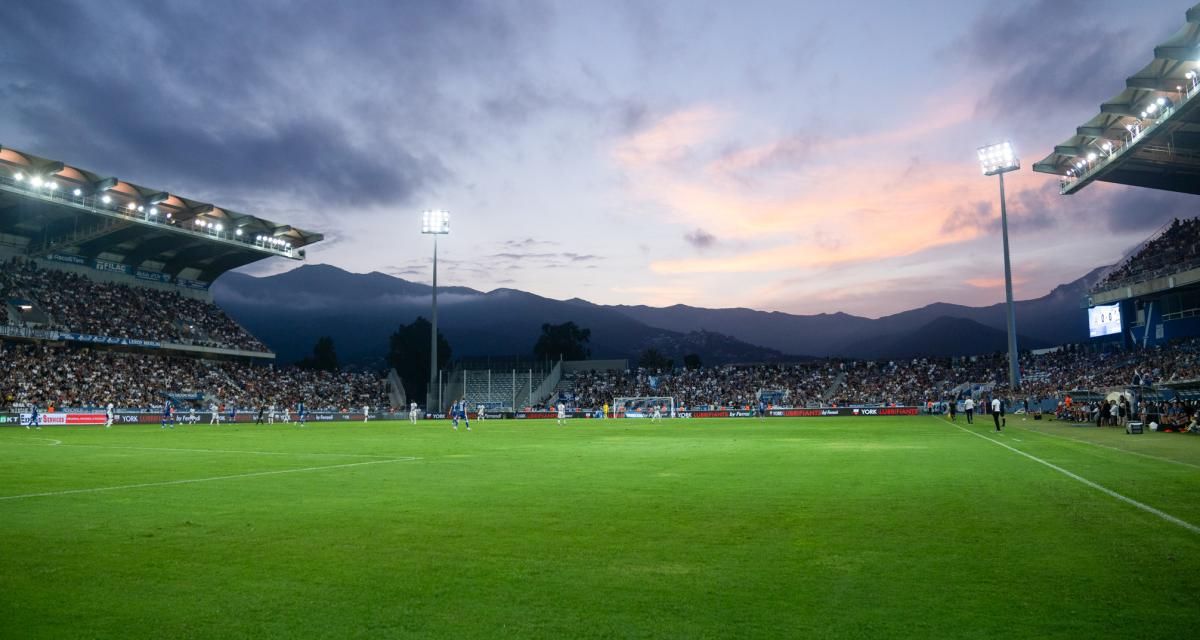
95, 203
1119, 147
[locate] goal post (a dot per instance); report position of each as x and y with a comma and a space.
643, 406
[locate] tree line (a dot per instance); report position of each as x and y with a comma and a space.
408, 352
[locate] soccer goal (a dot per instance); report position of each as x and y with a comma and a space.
643, 407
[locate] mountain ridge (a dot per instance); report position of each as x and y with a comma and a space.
288, 311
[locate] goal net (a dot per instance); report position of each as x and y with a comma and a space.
643, 407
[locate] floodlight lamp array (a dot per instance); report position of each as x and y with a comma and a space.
272, 242
998, 158
436, 221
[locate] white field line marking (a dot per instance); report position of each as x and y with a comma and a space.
1140, 505
54, 443
257, 453
1105, 446
195, 480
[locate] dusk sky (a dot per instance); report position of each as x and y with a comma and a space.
800, 157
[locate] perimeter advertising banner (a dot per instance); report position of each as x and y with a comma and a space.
117, 267
825, 412
58, 419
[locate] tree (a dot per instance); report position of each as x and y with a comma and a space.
324, 357
408, 353
691, 361
564, 341
652, 359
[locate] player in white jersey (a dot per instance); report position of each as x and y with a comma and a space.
271, 414
562, 412
479, 414
366, 412
412, 413
108, 415
657, 415
286, 415
216, 414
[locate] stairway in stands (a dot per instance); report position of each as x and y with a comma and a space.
833, 389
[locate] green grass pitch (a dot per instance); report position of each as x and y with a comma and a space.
804, 528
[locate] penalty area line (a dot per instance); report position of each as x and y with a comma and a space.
197, 480
1140, 505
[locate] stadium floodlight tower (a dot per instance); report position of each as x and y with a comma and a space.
997, 160
435, 223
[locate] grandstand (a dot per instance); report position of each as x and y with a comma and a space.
104, 297
1149, 134
1146, 136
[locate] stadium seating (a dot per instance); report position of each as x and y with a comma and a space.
45, 375
500, 387
710, 387
1176, 249
72, 302
904, 382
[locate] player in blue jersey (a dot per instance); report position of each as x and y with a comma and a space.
232, 412
168, 414
33, 418
301, 414
459, 412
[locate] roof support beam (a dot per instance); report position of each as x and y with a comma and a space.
152, 248
156, 198
104, 184
1175, 53
1143, 82
188, 214
1119, 109
48, 169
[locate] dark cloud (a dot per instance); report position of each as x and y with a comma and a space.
1142, 210
1100, 208
631, 115
1028, 211
1048, 55
973, 215
340, 104
544, 258
524, 243
405, 272
700, 239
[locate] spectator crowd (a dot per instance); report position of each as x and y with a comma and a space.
75, 303
915, 382
1177, 248
45, 375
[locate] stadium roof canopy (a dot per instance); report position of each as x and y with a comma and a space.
49, 207
1149, 134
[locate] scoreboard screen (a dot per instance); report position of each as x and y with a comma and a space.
1104, 320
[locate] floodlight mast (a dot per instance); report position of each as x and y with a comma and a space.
435, 223
996, 160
